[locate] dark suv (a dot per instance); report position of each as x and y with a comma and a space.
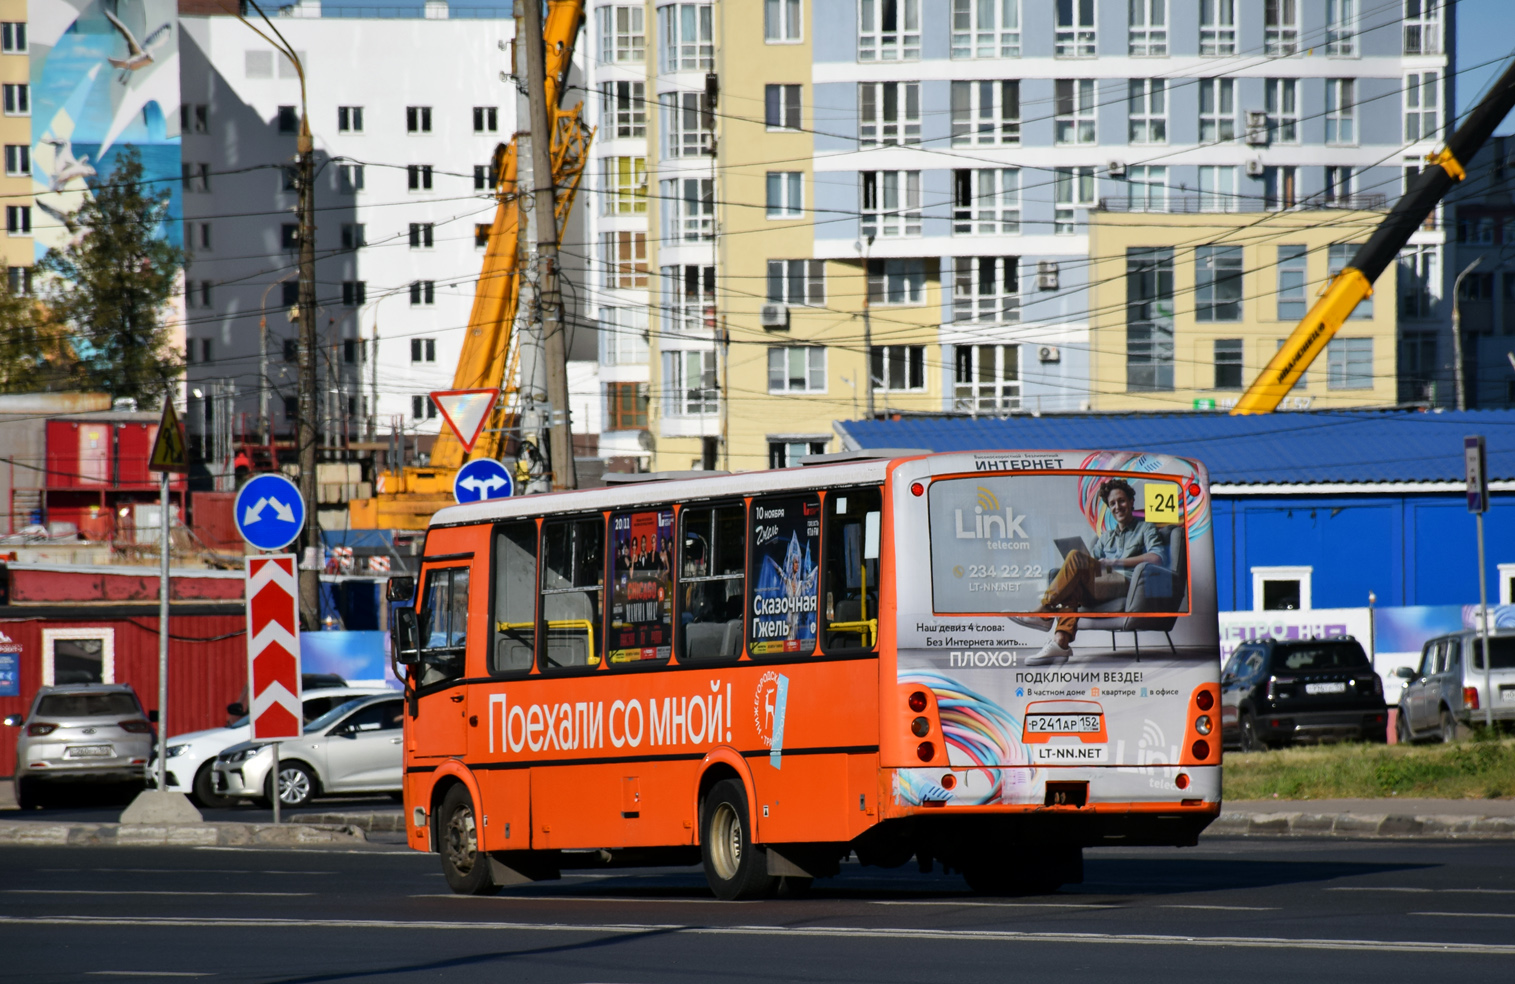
1275, 691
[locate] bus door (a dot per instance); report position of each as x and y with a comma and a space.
440, 725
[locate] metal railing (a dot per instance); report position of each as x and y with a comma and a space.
1215, 204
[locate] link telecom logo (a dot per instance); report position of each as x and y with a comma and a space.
273, 646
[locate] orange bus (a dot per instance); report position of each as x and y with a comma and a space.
983, 660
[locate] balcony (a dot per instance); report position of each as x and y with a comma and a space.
1195, 204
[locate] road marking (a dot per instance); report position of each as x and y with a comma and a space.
147, 973
1226, 908
313, 849
1469, 915
824, 932
1001, 905
193, 871
107, 893
1460, 891
582, 898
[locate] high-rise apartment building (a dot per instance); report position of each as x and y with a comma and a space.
16, 135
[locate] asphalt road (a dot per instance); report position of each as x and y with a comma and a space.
1244, 910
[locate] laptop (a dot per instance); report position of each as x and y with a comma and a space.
1070, 544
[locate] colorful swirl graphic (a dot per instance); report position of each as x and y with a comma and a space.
976, 729
1196, 507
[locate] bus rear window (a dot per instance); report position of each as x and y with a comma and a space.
1087, 543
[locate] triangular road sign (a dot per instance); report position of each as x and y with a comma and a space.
466, 412
168, 447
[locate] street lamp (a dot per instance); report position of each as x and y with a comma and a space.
1462, 400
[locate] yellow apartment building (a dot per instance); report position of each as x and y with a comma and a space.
16, 135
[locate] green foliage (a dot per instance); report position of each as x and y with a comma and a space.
34, 354
1480, 769
112, 284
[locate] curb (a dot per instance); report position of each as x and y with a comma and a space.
180, 835
1378, 826
370, 822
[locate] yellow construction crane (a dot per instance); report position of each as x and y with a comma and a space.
407, 498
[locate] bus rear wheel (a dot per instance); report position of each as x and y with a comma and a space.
734, 866
465, 867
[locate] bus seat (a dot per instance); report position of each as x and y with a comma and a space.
568, 646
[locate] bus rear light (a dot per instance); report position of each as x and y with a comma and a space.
1470, 698
948, 781
1181, 780
1194, 488
917, 489
1193, 802
1202, 724
1204, 700
918, 701
1201, 749
925, 751
920, 727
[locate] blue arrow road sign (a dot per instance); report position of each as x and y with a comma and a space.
482, 478
269, 512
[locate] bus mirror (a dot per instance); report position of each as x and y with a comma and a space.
870, 535
400, 589
405, 637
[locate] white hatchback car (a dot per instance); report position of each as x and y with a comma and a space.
192, 756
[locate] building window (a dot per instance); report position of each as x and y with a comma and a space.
1217, 283
194, 118
18, 160
1228, 367
899, 368
625, 185
1421, 103
198, 295
353, 235
1149, 28
421, 235
1338, 187
787, 454
986, 289
289, 235
18, 99
781, 107
1072, 187
797, 369
19, 279
1340, 112
625, 257
1422, 23
689, 298
349, 178
349, 119
1279, 187
626, 404
1280, 27
986, 201
1217, 110
481, 232
1419, 289
422, 408
423, 292
423, 350
74, 656
18, 220
354, 293
289, 292
1281, 588
1418, 366
13, 38
888, 30
289, 178
1339, 257
1217, 189
690, 384
986, 113
1149, 318
797, 282
1349, 363
625, 105
486, 119
289, 119
688, 207
986, 378
483, 177
1073, 120
1282, 104
896, 282
1074, 36
891, 203
417, 119
687, 37
1341, 28
1292, 275
781, 21
623, 37
687, 124
986, 28
889, 114
195, 177
418, 177
1217, 27
1146, 188
1148, 111
623, 336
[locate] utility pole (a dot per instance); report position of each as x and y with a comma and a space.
1457, 367
544, 204
868, 324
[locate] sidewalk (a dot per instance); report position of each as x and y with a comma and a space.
1391, 817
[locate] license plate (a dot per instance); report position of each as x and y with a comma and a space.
87, 752
1063, 724
1336, 687
1507, 694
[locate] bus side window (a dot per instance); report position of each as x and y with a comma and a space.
641, 587
712, 576
849, 587
515, 597
786, 541
444, 624
573, 575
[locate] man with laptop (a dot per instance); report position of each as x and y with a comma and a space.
1099, 574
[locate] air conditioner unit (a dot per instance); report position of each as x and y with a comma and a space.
774, 316
1254, 169
1257, 128
1117, 169
1049, 353
1046, 275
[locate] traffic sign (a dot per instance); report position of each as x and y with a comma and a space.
480, 479
1478, 479
269, 512
466, 412
273, 646
168, 447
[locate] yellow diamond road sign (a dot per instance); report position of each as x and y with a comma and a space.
168, 448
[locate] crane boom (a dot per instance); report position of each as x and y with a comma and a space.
1355, 282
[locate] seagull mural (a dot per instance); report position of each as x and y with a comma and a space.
66, 167
138, 55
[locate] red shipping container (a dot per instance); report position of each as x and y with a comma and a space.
134, 447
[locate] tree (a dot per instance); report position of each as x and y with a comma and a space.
35, 354
111, 286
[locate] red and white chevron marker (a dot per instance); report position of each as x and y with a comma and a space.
273, 646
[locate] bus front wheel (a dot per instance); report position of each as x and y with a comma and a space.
465, 867
734, 866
